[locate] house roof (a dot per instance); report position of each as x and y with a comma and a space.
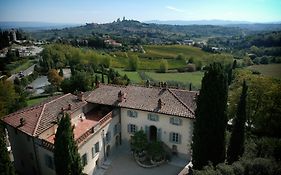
174, 101
41, 117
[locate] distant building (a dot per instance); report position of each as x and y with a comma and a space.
102, 120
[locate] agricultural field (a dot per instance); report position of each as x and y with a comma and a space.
185, 78
133, 76
176, 55
271, 70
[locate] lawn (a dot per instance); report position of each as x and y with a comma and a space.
20, 65
35, 101
272, 70
187, 77
133, 76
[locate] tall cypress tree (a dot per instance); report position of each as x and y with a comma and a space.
210, 123
67, 158
6, 167
236, 144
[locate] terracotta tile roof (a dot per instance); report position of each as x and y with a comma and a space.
40, 117
174, 101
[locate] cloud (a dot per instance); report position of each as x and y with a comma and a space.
174, 9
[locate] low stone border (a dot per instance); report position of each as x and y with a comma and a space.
154, 164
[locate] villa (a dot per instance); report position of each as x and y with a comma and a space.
103, 119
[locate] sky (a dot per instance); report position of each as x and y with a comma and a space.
104, 11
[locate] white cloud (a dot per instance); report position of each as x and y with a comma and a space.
174, 9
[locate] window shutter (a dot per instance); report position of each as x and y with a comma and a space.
157, 118
146, 129
128, 113
148, 116
171, 120
171, 137
129, 125
159, 134
179, 142
180, 121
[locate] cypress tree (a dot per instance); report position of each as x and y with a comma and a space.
67, 158
236, 144
6, 167
210, 125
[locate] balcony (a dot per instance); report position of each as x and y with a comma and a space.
91, 124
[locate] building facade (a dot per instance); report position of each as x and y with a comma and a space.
103, 119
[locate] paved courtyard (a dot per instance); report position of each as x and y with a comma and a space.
122, 163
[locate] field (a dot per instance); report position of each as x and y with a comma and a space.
186, 78
133, 76
176, 55
272, 70
35, 101
20, 65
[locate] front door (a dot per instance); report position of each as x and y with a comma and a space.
152, 133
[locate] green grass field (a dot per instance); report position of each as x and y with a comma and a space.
35, 101
187, 77
21, 65
271, 70
133, 76
150, 59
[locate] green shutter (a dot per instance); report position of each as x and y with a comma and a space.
171, 137
179, 142
159, 132
171, 120
129, 128
180, 121
157, 117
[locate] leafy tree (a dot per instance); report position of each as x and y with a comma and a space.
54, 78
8, 98
139, 141
163, 66
133, 63
61, 72
236, 145
81, 81
6, 167
210, 125
66, 156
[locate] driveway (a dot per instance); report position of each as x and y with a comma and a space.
123, 163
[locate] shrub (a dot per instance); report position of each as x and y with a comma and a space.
191, 67
163, 68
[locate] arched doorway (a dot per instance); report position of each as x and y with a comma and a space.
152, 133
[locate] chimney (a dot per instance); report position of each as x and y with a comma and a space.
160, 103
69, 106
80, 96
147, 83
22, 121
165, 85
121, 96
97, 84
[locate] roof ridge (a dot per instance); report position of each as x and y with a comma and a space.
38, 121
44, 105
181, 101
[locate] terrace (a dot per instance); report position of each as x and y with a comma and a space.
85, 126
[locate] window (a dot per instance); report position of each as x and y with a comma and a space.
132, 128
175, 137
84, 159
153, 117
115, 129
108, 136
49, 161
176, 121
133, 114
95, 149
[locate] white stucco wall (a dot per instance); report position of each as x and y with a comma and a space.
141, 121
23, 151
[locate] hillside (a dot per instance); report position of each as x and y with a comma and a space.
132, 29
